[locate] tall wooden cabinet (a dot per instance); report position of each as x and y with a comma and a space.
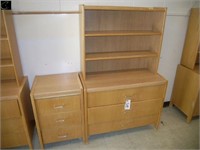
185, 93
17, 121
120, 49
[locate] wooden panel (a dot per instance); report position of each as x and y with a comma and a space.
121, 33
27, 112
186, 89
6, 63
13, 45
192, 40
117, 65
120, 96
120, 55
122, 8
196, 109
120, 20
13, 125
60, 119
3, 29
7, 73
82, 41
60, 134
10, 109
121, 43
9, 90
117, 112
13, 140
122, 80
58, 105
122, 124
5, 50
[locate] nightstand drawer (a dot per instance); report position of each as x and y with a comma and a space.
117, 112
61, 134
9, 109
13, 140
68, 119
119, 96
58, 105
13, 125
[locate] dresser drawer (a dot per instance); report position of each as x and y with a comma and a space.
9, 109
58, 105
121, 124
13, 140
14, 125
60, 134
117, 112
68, 119
119, 96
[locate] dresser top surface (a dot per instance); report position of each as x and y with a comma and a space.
58, 84
119, 80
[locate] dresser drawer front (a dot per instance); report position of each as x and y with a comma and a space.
68, 119
58, 105
14, 125
123, 124
13, 140
117, 112
10, 109
60, 134
119, 96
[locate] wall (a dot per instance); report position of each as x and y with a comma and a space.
49, 44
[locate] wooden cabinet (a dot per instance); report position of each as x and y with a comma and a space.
10, 60
58, 107
190, 55
120, 49
106, 97
17, 122
185, 95
120, 38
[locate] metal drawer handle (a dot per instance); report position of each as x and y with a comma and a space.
60, 120
58, 107
62, 136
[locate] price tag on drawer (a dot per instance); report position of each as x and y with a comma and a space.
127, 105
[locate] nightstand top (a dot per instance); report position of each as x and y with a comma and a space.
56, 85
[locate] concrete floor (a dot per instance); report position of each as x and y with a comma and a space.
174, 133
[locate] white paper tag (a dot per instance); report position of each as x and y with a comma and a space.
127, 105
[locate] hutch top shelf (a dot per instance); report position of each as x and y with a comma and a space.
118, 39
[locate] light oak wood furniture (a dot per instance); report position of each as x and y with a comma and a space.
185, 95
120, 49
190, 55
17, 122
57, 102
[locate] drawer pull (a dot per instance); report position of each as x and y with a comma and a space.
60, 120
58, 107
62, 136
